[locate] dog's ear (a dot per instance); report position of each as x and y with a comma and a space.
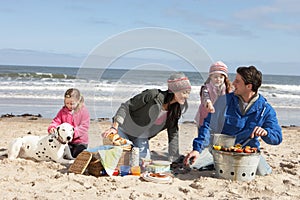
57, 129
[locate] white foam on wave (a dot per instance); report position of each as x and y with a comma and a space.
278, 95
272, 88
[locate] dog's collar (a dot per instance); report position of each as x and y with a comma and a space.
59, 138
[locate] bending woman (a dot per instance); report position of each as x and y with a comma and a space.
148, 113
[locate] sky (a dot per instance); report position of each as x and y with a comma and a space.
65, 32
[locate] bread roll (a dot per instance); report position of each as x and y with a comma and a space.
116, 139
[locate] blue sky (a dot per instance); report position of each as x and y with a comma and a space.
63, 33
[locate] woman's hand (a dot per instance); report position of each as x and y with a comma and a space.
191, 158
109, 131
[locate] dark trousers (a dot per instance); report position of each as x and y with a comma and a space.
77, 149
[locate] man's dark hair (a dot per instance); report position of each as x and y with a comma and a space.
251, 75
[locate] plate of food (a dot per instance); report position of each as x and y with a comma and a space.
157, 177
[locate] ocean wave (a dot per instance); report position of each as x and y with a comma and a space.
36, 75
284, 96
281, 87
113, 92
267, 87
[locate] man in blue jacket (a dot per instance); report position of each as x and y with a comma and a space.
244, 114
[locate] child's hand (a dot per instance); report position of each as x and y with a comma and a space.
52, 130
210, 108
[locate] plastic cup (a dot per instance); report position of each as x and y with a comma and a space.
136, 170
124, 170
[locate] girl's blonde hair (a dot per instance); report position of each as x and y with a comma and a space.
75, 93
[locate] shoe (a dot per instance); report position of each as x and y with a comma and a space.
179, 159
207, 168
178, 167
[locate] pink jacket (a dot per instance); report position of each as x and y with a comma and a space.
80, 120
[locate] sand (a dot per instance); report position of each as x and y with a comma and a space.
27, 179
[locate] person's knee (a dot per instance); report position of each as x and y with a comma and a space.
263, 167
77, 149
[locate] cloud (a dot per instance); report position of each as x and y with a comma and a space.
87, 6
142, 23
288, 6
281, 15
6, 10
100, 21
31, 57
208, 25
293, 29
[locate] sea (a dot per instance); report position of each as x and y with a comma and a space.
39, 90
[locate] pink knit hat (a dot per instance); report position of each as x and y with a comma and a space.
178, 82
218, 67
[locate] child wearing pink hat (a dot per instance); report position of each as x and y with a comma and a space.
216, 85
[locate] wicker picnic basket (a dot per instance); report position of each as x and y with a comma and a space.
95, 167
81, 163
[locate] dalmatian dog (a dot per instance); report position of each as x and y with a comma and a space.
53, 147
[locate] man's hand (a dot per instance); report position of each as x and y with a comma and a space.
258, 131
191, 158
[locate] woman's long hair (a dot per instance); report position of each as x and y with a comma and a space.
175, 109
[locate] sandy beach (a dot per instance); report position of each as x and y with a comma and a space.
27, 179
